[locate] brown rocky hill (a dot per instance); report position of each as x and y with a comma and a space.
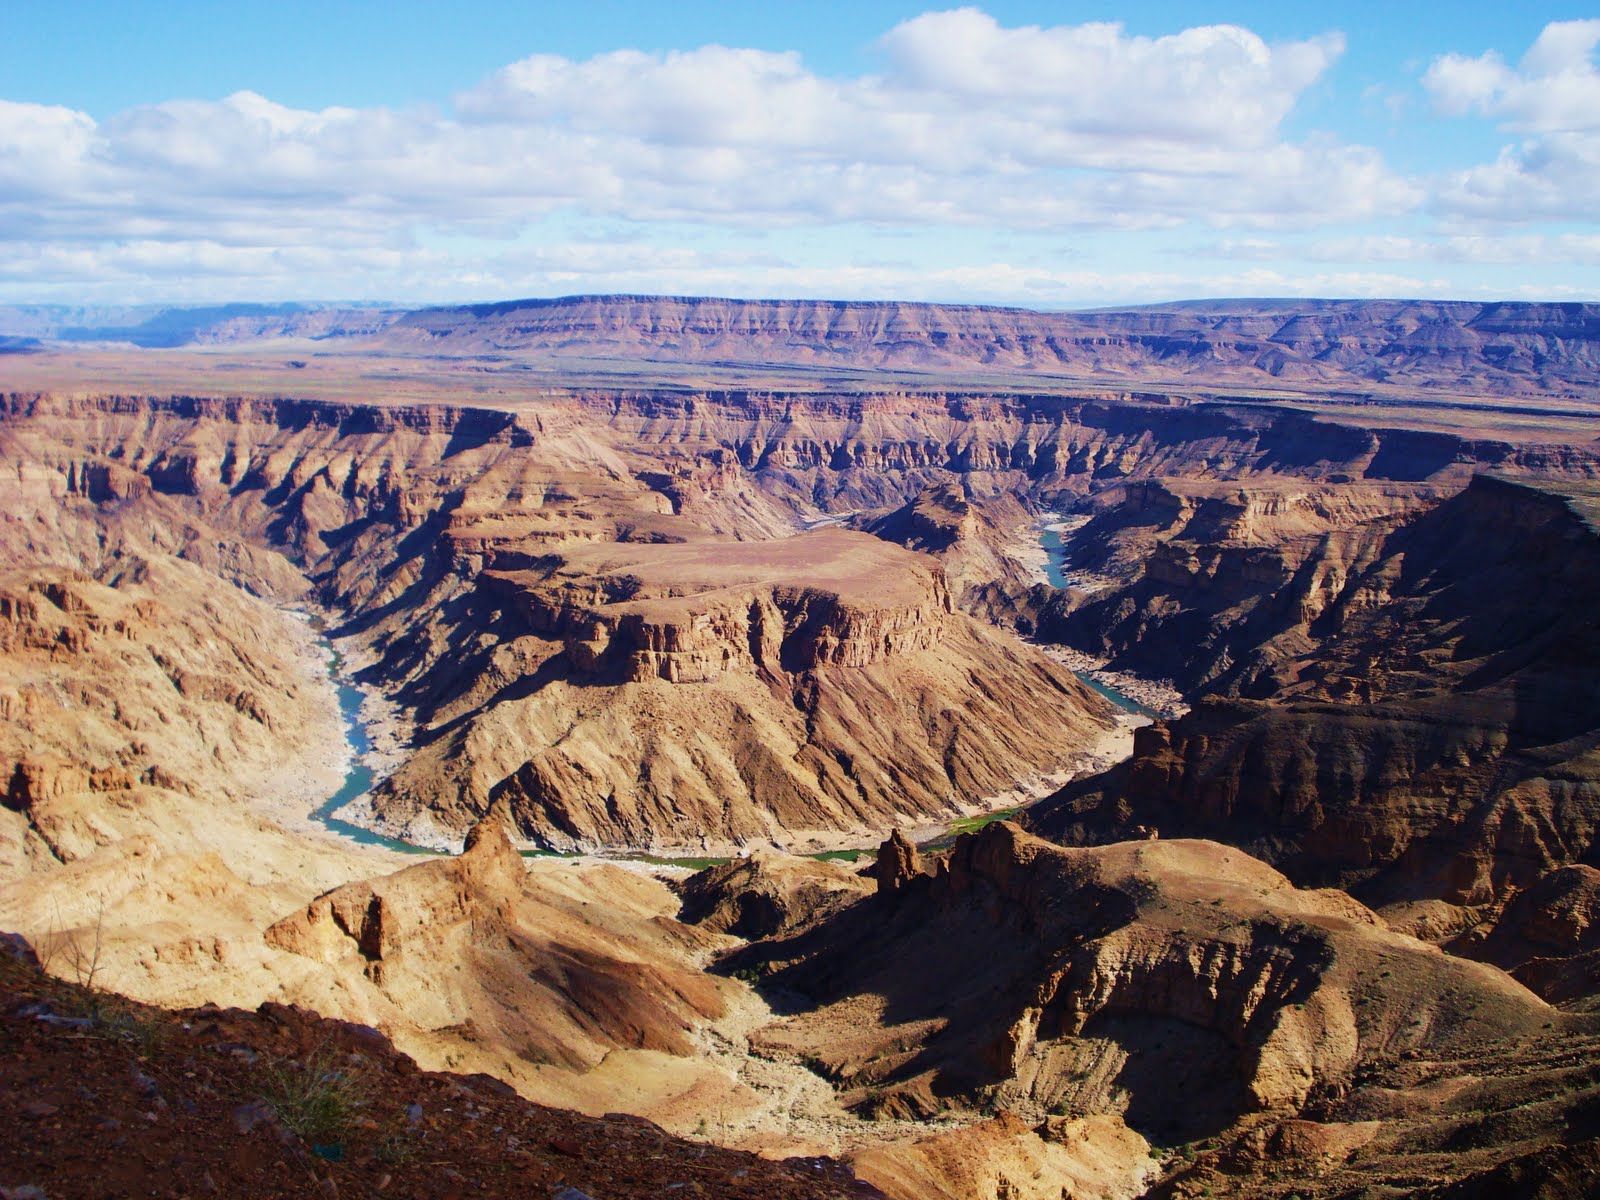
1224, 587
1495, 348
111, 1098
134, 705
1418, 705
1275, 1040
782, 690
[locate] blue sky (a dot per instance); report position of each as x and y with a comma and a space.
1050, 155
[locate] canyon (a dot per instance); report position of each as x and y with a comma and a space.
632, 578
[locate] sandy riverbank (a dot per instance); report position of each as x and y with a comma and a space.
1025, 548
292, 794
1158, 695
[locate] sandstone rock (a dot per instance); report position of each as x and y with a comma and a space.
519, 973
767, 893
897, 864
1427, 734
1098, 981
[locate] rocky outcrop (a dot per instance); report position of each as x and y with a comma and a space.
1225, 588
469, 941
687, 613
1547, 936
740, 745
767, 893
1095, 1158
1096, 981
1430, 728
169, 682
897, 864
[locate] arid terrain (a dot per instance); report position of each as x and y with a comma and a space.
702, 642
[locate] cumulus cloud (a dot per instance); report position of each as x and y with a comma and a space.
968, 123
1555, 88
962, 93
1553, 96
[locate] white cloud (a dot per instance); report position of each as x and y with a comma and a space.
1555, 89
969, 124
1553, 177
962, 94
1526, 249
1095, 80
1553, 96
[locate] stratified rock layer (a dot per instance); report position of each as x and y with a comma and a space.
1433, 714
1331, 342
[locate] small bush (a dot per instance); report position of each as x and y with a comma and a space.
313, 1098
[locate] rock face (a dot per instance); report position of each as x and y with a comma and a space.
121, 699
660, 695
1096, 981
1502, 346
1222, 587
1548, 936
690, 612
767, 893
468, 941
1429, 733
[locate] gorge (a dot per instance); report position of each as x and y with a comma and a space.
645, 577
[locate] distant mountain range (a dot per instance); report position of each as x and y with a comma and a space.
1496, 347
155, 327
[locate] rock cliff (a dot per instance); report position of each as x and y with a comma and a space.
1431, 712
1496, 347
1098, 982
702, 693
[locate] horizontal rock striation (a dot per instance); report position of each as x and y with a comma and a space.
1431, 719
712, 692
688, 625
1497, 346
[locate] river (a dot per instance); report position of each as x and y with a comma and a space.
1164, 699
360, 777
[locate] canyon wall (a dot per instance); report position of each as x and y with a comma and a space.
699, 686
1496, 347
1409, 711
